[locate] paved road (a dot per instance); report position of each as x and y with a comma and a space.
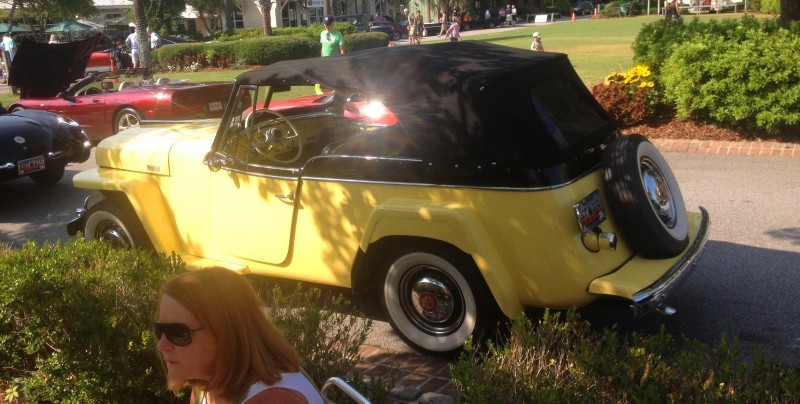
746, 284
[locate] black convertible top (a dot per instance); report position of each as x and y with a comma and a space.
468, 101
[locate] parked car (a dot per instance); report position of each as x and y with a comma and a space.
39, 145
583, 8
482, 200
108, 102
433, 28
394, 30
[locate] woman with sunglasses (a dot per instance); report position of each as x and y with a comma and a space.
213, 335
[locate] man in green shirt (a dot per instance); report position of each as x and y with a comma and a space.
332, 40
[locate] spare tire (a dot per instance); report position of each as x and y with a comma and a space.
645, 198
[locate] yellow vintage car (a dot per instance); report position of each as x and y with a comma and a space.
453, 185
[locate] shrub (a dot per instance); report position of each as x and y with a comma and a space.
752, 83
770, 6
564, 7
265, 51
75, 323
76, 320
367, 40
562, 361
630, 96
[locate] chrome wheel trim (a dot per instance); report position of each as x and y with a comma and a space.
430, 302
127, 121
105, 226
658, 192
680, 228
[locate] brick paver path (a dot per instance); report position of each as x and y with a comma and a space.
772, 149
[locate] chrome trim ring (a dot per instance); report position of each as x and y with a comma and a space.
431, 300
658, 192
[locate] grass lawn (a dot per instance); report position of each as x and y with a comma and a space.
595, 47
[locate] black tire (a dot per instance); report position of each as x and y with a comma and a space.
490, 25
114, 221
126, 118
15, 109
395, 36
435, 299
467, 27
645, 198
48, 177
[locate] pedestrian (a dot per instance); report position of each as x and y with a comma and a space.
53, 39
671, 9
453, 32
418, 27
508, 15
502, 14
213, 335
133, 44
536, 45
513, 15
487, 15
443, 20
409, 25
155, 40
332, 40
9, 50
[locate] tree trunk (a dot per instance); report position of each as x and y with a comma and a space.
141, 34
11, 16
790, 11
228, 13
203, 22
326, 8
265, 6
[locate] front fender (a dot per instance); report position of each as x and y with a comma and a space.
451, 222
144, 193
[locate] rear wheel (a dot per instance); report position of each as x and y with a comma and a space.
127, 118
114, 221
395, 36
646, 199
49, 176
490, 25
435, 299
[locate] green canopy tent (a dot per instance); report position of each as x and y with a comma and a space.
72, 30
14, 28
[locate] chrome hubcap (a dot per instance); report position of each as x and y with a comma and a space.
126, 121
113, 234
431, 300
658, 193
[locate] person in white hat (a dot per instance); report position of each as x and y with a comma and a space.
536, 45
133, 43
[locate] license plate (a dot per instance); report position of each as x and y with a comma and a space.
590, 212
215, 106
30, 165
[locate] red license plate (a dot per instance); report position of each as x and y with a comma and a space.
30, 165
589, 212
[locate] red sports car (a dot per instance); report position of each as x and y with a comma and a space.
106, 103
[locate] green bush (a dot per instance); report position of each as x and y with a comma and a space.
564, 7
562, 361
770, 6
264, 51
752, 83
76, 320
75, 323
366, 40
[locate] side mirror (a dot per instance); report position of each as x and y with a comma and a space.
213, 161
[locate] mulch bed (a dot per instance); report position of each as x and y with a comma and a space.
670, 127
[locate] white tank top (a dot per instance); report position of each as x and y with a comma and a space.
293, 381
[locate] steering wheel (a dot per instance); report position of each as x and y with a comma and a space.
269, 139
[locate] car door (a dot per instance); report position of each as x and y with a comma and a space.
88, 109
252, 201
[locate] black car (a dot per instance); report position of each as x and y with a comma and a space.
583, 8
39, 145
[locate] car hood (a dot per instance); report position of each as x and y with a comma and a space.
147, 148
43, 70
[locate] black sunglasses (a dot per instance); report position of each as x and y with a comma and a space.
177, 333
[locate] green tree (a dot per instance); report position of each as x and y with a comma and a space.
204, 8
41, 10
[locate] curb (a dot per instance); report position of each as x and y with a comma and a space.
750, 148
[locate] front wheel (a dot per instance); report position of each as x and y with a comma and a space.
114, 221
435, 299
490, 25
48, 177
396, 36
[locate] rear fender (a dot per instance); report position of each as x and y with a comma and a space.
450, 222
